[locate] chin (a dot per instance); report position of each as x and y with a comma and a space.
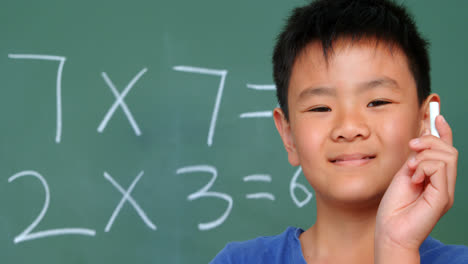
361, 197
354, 193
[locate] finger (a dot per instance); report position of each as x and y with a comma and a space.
427, 168
432, 175
437, 186
451, 166
431, 142
446, 134
444, 129
430, 154
432, 201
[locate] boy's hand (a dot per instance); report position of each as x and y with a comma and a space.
420, 194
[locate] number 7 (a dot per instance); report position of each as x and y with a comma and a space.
222, 74
61, 59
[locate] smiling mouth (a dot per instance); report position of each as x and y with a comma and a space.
352, 160
345, 160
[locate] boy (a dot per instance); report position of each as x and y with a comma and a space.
353, 86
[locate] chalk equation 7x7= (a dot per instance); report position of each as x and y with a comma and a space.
119, 97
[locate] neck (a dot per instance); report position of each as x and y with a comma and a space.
343, 233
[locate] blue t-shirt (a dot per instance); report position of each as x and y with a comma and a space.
286, 248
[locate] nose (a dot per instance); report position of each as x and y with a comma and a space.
350, 126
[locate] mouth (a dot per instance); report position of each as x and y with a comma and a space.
352, 159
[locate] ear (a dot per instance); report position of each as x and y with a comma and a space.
284, 129
425, 112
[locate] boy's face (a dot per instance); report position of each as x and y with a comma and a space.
351, 119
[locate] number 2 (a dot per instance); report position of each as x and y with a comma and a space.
27, 234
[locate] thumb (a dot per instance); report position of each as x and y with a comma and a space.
444, 130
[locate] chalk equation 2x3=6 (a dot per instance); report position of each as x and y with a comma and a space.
120, 96
29, 233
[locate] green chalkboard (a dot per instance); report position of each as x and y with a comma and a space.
141, 131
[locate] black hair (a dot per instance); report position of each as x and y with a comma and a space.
329, 20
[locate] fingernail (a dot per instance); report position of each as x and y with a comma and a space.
443, 119
415, 141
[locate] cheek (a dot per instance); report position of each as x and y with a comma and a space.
396, 133
308, 140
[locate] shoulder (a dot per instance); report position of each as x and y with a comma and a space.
433, 251
282, 248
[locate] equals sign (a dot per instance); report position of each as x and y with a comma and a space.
259, 178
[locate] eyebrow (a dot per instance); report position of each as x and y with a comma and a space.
362, 87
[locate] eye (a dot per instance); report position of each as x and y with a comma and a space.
320, 109
378, 103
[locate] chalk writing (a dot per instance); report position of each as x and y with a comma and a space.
293, 185
27, 234
204, 192
219, 95
260, 178
61, 60
259, 114
127, 197
119, 101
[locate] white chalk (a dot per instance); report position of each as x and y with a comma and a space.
434, 111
